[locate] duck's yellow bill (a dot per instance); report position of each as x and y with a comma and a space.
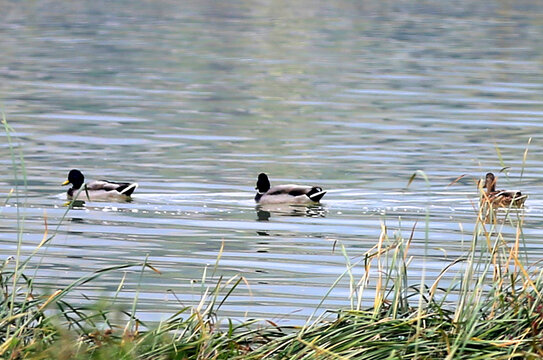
66, 182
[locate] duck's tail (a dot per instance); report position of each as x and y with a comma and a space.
520, 199
316, 194
128, 189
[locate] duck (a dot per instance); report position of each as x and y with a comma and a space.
286, 194
501, 198
97, 190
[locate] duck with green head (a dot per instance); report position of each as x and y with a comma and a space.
286, 194
97, 190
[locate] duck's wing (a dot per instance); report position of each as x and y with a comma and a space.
313, 192
289, 189
105, 185
506, 197
508, 193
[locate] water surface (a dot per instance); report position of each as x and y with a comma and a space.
192, 100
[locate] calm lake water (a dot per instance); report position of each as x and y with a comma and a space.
193, 99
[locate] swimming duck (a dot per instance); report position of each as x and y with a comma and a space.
502, 198
292, 194
97, 190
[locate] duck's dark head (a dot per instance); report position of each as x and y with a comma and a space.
76, 178
490, 182
263, 183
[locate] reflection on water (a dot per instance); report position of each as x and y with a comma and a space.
263, 215
264, 212
193, 100
75, 204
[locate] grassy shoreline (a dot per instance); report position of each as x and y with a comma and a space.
494, 309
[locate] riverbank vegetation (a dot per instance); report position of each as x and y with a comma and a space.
492, 308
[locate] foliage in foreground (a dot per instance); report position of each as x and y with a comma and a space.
491, 308
36, 327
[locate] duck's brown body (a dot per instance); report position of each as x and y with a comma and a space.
501, 198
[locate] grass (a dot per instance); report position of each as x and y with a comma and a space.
492, 308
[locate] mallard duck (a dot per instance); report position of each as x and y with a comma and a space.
502, 198
292, 194
97, 190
